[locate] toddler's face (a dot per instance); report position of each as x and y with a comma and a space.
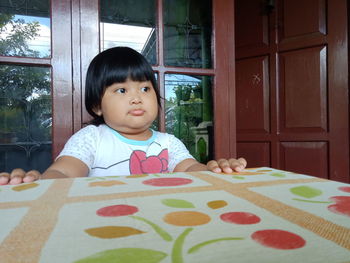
129, 107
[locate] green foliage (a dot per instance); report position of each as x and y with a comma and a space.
15, 44
184, 112
25, 101
202, 150
11, 120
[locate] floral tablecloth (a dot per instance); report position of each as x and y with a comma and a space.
258, 215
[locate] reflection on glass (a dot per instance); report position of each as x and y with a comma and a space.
155, 124
25, 28
25, 117
187, 33
189, 113
129, 23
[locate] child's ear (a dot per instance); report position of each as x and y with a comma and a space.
98, 111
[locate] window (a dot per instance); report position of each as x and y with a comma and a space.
25, 89
188, 105
177, 37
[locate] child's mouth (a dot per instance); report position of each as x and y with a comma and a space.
137, 112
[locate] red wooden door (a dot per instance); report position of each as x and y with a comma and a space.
292, 86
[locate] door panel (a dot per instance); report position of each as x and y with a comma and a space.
253, 87
305, 157
307, 86
89, 31
252, 34
303, 90
61, 75
258, 153
301, 23
301, 19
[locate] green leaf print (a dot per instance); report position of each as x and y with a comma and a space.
280, 175
125, 255
306, 191
177, 203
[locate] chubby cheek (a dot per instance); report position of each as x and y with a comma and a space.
153, 105
113, 111
153, 110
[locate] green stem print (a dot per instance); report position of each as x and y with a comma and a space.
176, 255
200, 245
160, 231
178, 218
312, 201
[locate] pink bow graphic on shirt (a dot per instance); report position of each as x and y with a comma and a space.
141, 164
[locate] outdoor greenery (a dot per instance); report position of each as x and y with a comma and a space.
184, 113
25, 101
15, 44
25, 91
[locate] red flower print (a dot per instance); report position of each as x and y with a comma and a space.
141, 164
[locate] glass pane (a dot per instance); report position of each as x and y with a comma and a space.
155, 124
25, 117
189, 113
129, 23
187, 33
25, 28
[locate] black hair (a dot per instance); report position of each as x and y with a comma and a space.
114, 65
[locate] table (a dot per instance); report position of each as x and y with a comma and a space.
258, 215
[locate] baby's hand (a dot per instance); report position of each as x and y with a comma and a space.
227, 166
19, 176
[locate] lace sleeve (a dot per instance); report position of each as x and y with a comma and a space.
82, 145
177, 152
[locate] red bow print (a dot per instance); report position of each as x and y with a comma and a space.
141, 164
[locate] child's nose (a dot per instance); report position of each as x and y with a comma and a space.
136, 99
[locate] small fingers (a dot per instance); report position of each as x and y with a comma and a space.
16, 176
213, 166
243, 162
4, 178
227, 166
31, 176
222, 165
238, 165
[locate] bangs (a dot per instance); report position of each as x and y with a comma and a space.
118, 73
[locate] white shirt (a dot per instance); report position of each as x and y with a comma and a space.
108, 153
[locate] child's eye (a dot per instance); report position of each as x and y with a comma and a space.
145, 89
121, 90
